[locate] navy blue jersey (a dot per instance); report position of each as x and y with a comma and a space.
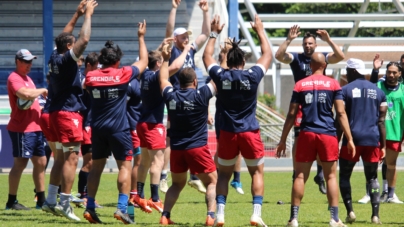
237, 96
188, 112
300, 66
134, 103
87, 103
66, 84
362, 102
316, 94
48, 100
152, 102
188, 63
108, 91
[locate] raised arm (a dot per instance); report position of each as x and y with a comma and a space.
281, 54
85, 31
337, 54
166, 53
377, 64
223, 53
343, 122
79, 12
266, 52
382, 128
201, 39
179, 62
216, 29
290, 119
143, 54
171, 18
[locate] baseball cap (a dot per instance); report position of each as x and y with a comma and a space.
357, 64
24, 54
180, 31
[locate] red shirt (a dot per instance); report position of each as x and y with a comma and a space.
22, 120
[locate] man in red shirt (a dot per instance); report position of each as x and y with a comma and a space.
24, 130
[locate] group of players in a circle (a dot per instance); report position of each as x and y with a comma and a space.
107, 109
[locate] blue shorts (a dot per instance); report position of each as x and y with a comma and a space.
136, 151
28, 144
119, 143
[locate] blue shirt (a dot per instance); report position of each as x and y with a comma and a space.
188, 63
362, 102
134, 103
237, 96
108, 91
188, 112
87, 103
65, 82
300, 66
152, 102
316, 94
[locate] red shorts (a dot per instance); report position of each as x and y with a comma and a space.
68, 126
249, 144
86, 135
151, 135
299, 117
311, 144
368, 154
197, 160
135, 139
393, 145
44, 122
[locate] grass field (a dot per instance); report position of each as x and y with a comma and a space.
190, 209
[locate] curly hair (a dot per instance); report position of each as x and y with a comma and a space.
110, 54
235, 56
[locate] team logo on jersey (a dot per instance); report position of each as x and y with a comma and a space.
188, 63
145, 85
245, 85
114, 79
96, 94
113, 93
356, 93
87, 128
372, 93
226, 85
390, 104
189, 105
172, 105
322, 97
308, 98
160, 130
76, 122
390, 115
55, 69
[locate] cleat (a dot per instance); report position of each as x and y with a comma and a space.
293, 223
50, 208
67, 212
159, 206
123, 217
197, 184
376, 220
209, 221
333, 223
17, 206
238, 186
364, 200
75, 199
163, 185
143, 204
91, 217
166, 221
383, 197
350, 218
256, 220
321, 184
394, 200
219, 221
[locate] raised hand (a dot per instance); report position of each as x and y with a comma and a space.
176, 3
323, 35
203, 4
257, 26
142, 29
377, 62
90, 6
294, 32
215, 25
166, 52
81, 9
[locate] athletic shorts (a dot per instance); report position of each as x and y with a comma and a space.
393, 145
135, 139
27, 144
119, 143
197, 160
68, 126
86, 135
86, 148
368, 154
310, 144
44, 122
137, 151
248, 143
151, 135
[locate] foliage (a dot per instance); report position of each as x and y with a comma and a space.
267, 99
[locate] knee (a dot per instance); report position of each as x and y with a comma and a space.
391, 165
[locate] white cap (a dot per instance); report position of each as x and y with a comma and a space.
357, 64
180, 31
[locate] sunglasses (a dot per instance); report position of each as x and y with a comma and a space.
25, 61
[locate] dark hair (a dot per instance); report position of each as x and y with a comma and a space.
92, 59
154, 57
308, 35
110, 54
402, 56
48, 76
396, 64
186, 76
235, 56
62, 40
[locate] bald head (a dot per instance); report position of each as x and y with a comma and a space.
318, 63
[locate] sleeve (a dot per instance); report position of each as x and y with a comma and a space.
295, 97
207, 93
195, 47
208, 79
15, 84
73, 55
167, 93
374, 76
383, 98
259, 71
214, 71
344, 93
130, 92
326, 57
294, 57
135, 73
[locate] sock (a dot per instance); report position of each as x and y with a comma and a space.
367, 189
140, 187
374, 192
133, 192
166, 214
193, 177
11, 200
385, 186
384, 171
221, 203
257, 209
163, 175
40, 198
334, 213
236, 176
122, 202
320, 173
347, 198
211, 214
82, 183
391, 190
154, 188
52, 194
257, 199
294, 211
90, 203
64, 200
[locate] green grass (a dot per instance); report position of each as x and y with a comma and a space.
190, 209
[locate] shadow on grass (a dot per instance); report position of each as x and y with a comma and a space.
108, 205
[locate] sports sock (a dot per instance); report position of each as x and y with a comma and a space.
166, 214
294, 211
193, 177
52, 194
257, 204
334, 213
385, 186
40, 198
221, 203
211, 214
236, 176
122, 202
384, 171
90, 203
140, 187
154, 188
391, 190
320, 173
11, 200
367, 189
347, 198
163, 175
82, 183
64, 200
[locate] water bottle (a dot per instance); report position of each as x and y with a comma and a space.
131, 211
